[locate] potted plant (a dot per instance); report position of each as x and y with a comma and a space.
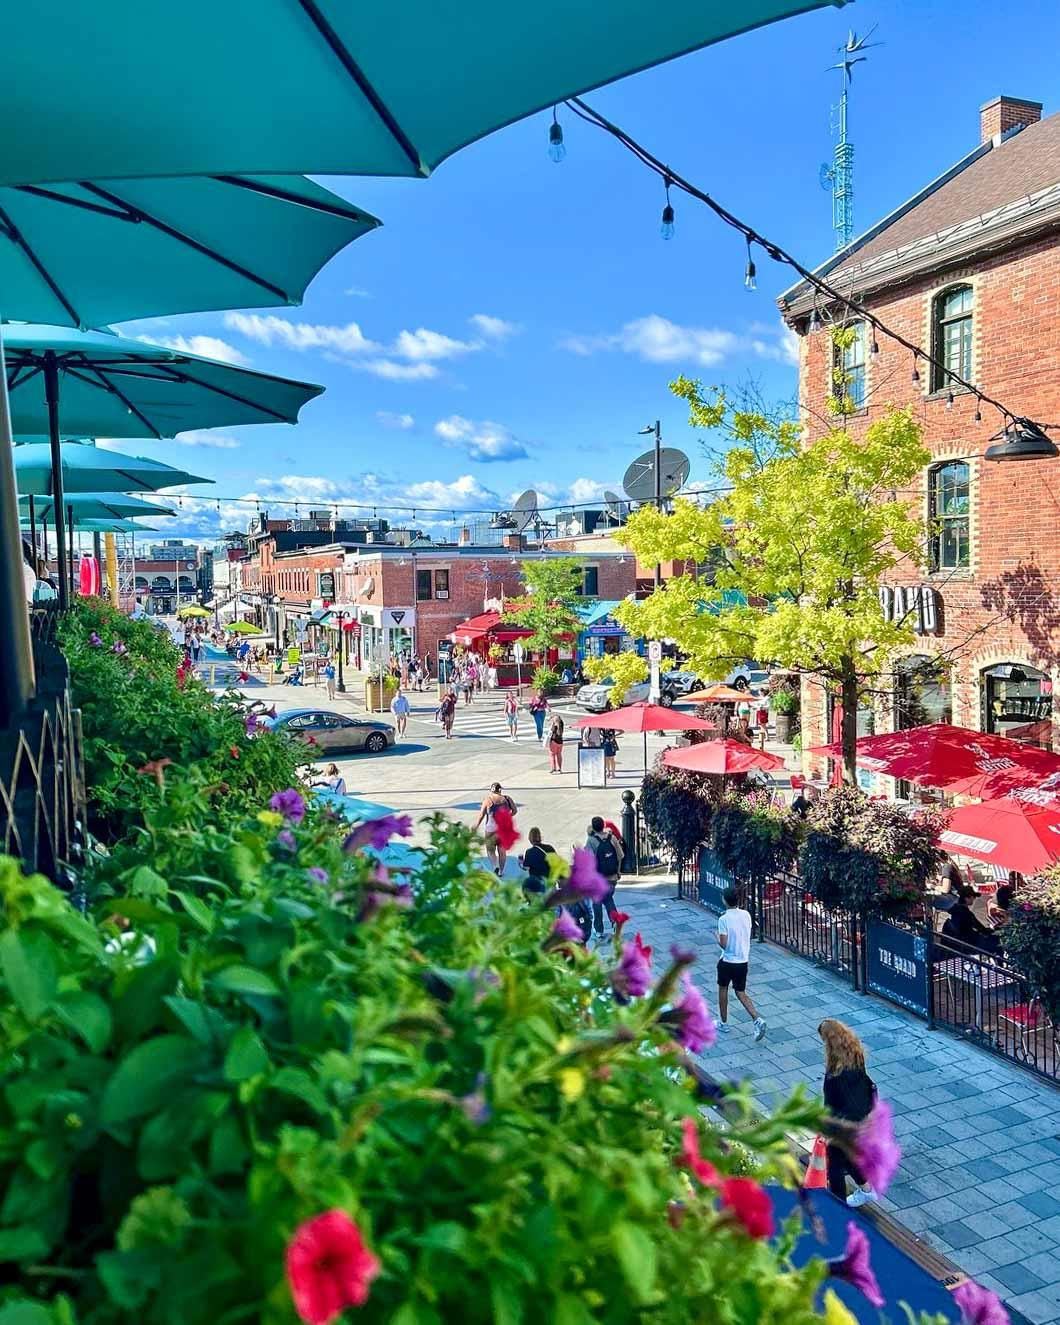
784, 704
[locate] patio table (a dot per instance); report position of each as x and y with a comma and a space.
980, 976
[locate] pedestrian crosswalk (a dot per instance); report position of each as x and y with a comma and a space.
482, 719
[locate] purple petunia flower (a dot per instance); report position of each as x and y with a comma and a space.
686, 956
119, 648
95, 641
475, 1105
585, 879
252, 723
876, 1152
854, 1267
979, 1306
285, 838
289, 803
696, 1028
378, 832
317, 875
631, 978
566, 928
374, 901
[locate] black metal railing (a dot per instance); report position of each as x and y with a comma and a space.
42, 792
789, 916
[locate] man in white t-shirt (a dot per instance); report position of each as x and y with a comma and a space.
734, 939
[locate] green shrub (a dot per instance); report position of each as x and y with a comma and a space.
753, 838
677, 809
1031, 938
545, 680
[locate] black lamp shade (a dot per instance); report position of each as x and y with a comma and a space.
1021, 440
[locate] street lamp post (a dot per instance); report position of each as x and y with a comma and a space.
653, 693
340, 684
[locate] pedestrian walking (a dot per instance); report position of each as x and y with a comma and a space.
734, 939
610, 748
400, 707
535, 861
494, 800
511, 715
336, 782
447, 713
468, 686
491, 676
608, 862
849, 1094
329, 678
538, 708
555, 744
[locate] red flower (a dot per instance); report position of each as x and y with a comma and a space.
749, 1204
691, 1159
156, 768
505, 830
619, 918
328, 1267
233, 751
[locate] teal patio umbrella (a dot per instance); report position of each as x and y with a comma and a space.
87, 254
324, 86
95, 506
90, 468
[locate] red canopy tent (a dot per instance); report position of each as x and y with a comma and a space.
646, 718
724, 758
488, 625
1012, 833
957, 759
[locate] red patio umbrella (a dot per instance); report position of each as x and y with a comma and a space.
646, 718
1013, 833
722, 758
957, 759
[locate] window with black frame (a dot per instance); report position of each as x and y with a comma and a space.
952, 336
424, 586
949, 512
1017, 701
849, 368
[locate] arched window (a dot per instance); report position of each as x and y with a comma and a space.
948, 516
921, 692
1018, 702
952, 335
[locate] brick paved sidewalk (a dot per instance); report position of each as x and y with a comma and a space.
980, 1173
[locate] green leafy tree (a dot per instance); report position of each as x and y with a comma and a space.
625, 669
548, 606
810, 531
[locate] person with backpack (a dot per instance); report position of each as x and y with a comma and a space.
849, 1094
447, 713
608, 862
535, 862
494, 800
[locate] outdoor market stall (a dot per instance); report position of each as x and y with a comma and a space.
492, 640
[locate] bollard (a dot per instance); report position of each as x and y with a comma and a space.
631, 856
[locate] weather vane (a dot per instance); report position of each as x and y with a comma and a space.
838, 177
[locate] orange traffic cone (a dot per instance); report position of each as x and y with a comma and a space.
817, 1169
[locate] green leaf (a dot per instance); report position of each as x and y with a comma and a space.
204, 1024
138, 1007
146, 882
29, 962
293, 1081
228, 1150
246, 1056
146, 1077
505, 1301
88, 1015
447, 1236
24, 1312
247, 980
25, 1243
197, 910
635, 1252
242, 862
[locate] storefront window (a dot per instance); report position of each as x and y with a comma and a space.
1017, 702
922, 693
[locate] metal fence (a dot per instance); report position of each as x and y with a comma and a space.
789, 916
42, 791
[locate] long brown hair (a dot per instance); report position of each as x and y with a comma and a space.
842, 1048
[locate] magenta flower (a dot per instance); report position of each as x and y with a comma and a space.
289, 803
566, 928
876, 1152
979, 1306
696, 1029
854, 1267
95, 641
317, 875
378, 832
632, 977
585, 879
374, 900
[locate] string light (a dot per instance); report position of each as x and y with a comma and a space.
916, 370
874, 349
750, 277
949, 400
666, 227
978, 411
556, 149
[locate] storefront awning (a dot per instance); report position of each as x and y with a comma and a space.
488, 625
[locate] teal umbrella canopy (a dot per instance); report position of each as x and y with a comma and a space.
90, 468
112, 386
93, 506
107, 526
87, 254
325, 86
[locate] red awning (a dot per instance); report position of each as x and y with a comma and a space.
957, 759
722, 758
488, 624
1013, 833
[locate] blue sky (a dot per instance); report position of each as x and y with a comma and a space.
515, 322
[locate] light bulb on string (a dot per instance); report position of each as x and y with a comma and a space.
949, 400
916, 370
815, 322
750, 279
978, 410
666, 226
874, 348
556, 149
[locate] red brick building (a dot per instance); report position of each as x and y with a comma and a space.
969, 267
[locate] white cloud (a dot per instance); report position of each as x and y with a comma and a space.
655, 339
493, 328
398, 372
486, 441
587, 489
272, 330
356, 292
216, 441
400, 422
209, 347
424, 345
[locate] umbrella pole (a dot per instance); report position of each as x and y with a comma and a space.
51, 395
33, 532
70, 546
16, 657
645, 752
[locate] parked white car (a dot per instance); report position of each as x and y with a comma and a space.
596, 697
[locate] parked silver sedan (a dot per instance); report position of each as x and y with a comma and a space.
334, 731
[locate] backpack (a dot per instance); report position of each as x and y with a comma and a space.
607, 861
583, 918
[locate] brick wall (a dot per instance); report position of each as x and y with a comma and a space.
1006, 606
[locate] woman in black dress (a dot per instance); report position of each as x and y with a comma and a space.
849, 1094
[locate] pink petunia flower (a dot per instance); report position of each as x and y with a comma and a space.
329, 1268
749, 1204
632, 977
701, 1169
566, 927
585, 879
696, 1028
876, 1152
854, 1266
979, 1306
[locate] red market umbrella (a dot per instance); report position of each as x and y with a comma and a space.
722, 758
960, 761
646, 718
1011, 832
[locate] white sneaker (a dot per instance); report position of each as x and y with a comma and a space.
861, 1197
760, 1028
723, 1027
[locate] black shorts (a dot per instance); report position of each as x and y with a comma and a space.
732, 973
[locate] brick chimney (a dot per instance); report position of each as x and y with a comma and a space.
514, 542
997, 117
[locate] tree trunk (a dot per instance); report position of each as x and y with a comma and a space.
849, 700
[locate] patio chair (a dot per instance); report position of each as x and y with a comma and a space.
1030, 1021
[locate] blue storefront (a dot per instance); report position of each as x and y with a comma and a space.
601, 633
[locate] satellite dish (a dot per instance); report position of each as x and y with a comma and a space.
826, 175
614, 506
524, 510
638, 482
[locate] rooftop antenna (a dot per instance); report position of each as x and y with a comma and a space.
839, 176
